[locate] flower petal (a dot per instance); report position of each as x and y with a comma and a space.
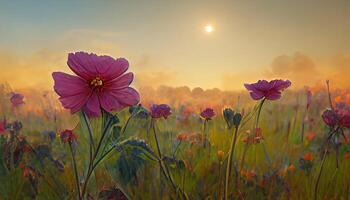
273, 95
89, 66
256, 95
92, 107
120, 82
126, 97
73, 91
109, 102
280, 84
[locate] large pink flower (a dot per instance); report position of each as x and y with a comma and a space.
270, 90
101, 83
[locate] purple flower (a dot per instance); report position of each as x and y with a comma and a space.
330, 117
208, 114
160, 110
101, 82
17, 99
340, 116
270, 90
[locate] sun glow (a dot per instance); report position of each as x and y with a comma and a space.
209, 28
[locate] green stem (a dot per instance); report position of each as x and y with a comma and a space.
259, 112
229, 162
320, 172
91, 166
163, 167
75, 170
177, 147
205, 133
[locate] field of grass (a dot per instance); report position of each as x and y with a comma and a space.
280, 157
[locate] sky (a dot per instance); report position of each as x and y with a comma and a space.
166, 43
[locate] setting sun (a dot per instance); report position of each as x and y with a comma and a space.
209, 28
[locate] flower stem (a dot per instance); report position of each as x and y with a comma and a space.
259, 112
319, 174
329, 95
205, 133
93, 158
75, 170
163, 167
229, 162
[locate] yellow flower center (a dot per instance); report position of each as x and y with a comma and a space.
96, 82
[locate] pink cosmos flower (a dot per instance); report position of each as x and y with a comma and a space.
101, 82
17, 99
161, 110
270, 90
208, 114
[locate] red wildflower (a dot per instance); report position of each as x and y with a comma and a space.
308, 156
67, 136
17, 99
311, 136
101, 82
347, 156
27, 171
270, 90
182, 137
160, 110
249, 175
207, 114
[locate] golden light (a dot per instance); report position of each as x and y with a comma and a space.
209, 28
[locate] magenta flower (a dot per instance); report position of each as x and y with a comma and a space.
160, 110
340, 116
330, 117
207, 114
101, 83
17, 99
270, 90
2, 127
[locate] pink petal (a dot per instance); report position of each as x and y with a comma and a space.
263, 85
280, 84
109, 102
89, 66
256, 95
83, 64
126, 97
73, 91
120, 82
273, 95
67, 85
92, 107
116, 69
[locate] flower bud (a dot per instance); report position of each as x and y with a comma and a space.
228, 116
237, 119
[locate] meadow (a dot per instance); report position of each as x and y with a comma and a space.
266, 142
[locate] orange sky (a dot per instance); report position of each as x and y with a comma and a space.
165, 42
